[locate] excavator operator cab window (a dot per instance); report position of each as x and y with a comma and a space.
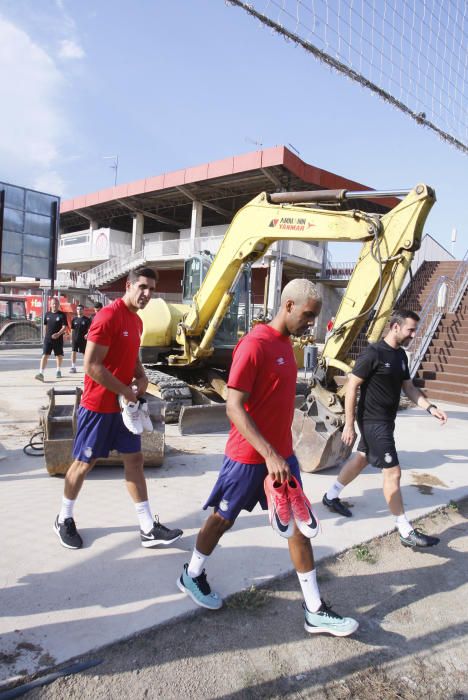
195, 271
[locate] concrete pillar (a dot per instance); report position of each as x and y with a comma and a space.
137, 232
274, 282
196, 224
93, 225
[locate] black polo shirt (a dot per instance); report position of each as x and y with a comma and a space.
383, 369
80, 326
54, 322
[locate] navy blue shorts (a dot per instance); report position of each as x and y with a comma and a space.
240, 487
378, 444
99, 433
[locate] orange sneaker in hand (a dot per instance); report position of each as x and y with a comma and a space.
279, 508
303, 514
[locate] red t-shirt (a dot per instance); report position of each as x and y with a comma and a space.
264, 365
119, 329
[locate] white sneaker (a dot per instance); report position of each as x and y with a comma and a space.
145, 416
131, 416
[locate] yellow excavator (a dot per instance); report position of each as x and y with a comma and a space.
186, 347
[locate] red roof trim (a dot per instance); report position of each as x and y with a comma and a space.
279, 155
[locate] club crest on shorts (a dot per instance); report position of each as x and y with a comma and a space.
224, 505
88, 451
388, 457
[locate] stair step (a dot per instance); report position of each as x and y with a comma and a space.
444, 366
449, 396
444, 376
446, 344
446, 359
442, 385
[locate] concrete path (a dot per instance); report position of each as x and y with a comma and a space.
57, 603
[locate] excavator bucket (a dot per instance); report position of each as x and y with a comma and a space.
58, 422
210, 418
317, 445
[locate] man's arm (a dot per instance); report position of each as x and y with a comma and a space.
63, 329
277, 467
94, 367
140, 378
417, 397
352, 385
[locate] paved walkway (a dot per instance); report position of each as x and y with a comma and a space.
57, 603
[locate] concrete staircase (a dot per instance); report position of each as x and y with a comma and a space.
443, 373
416, 294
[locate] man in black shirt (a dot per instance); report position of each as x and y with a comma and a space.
381, 371
56, 325
97, 306
80, 326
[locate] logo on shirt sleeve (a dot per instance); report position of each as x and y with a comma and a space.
280, 361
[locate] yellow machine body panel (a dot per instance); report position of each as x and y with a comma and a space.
160, 321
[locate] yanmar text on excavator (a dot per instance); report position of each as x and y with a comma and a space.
186, 347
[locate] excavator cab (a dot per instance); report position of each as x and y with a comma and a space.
236, 321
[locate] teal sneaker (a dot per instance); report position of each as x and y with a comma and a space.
58, 374
326, 620
39, 376
199, 590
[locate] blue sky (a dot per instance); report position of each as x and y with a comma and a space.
170, 84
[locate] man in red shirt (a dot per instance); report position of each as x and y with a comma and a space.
260, 405
112, 369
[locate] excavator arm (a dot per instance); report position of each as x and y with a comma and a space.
389, 244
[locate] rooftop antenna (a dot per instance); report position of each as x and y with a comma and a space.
294, 149
256, 143
454, 239
114, 165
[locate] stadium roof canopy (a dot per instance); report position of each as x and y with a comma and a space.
222, 186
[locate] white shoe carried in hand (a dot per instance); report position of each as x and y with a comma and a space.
145, 416
131, 416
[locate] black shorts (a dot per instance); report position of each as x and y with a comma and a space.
51, 344
78, 345
378, 444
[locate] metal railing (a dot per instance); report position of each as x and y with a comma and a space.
460, 280
114, 268
444, 298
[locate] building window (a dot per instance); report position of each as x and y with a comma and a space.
75, 240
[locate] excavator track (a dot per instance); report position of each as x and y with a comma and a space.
173, 391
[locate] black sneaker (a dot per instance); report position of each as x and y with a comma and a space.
160, 534
67, 533
337, 506
418, 539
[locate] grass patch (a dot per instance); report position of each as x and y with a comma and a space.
452, 505
251, 599
363, 553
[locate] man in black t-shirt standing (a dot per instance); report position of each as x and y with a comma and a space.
381, 371
55, 322
80, 326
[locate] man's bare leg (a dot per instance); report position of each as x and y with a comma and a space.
42, 366
391, 490
352, 468
74, 478
64, 525
135, 476
193, 578
152, 531
211, 532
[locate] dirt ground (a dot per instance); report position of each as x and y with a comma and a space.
411, 643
